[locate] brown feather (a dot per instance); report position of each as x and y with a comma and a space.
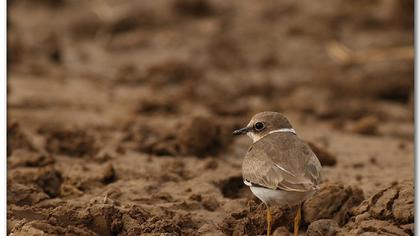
282, 161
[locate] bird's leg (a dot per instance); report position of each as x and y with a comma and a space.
269, 221
297, 221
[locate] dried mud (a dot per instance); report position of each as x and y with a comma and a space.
120, 114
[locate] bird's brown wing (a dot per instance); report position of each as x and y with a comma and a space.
282, 161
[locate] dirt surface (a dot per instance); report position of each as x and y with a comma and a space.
121, 112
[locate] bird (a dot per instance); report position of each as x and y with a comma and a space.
279, 168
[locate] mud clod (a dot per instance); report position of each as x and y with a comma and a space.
171, 223
106, 219
42, 228
75, 143
323, 228
281, 231
50, 181
159, 105
251, 221
17, 139
332, 201
395, 203
23, 158
379, 227
367, 125
153, 140
186, 139
191, 137
139, 214
196, 197
193, 7
324, 156
403, 205
390, 211
210, 204
108, 175
232, 187
172, 72
24, 195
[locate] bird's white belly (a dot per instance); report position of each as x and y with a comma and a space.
279, 197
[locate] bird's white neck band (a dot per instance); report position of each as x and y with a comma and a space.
255, 138
284, 130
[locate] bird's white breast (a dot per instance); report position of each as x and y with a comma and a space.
279, 197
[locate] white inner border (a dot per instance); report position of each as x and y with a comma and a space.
283, 130
3, 107
416, 166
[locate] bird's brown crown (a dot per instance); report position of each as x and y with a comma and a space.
271, 120
263, 123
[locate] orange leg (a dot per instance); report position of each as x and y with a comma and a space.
269, 221
297, 221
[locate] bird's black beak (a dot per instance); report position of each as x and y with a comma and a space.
242, 131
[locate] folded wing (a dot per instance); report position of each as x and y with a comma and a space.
282, 163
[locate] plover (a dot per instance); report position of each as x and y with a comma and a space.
279, 168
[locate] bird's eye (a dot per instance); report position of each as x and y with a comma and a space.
259, 126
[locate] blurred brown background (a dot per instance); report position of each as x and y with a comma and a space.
120, 112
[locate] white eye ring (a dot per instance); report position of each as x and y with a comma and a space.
259, 126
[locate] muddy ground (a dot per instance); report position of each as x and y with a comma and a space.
120, 114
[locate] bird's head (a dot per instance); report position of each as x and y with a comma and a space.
263, 123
